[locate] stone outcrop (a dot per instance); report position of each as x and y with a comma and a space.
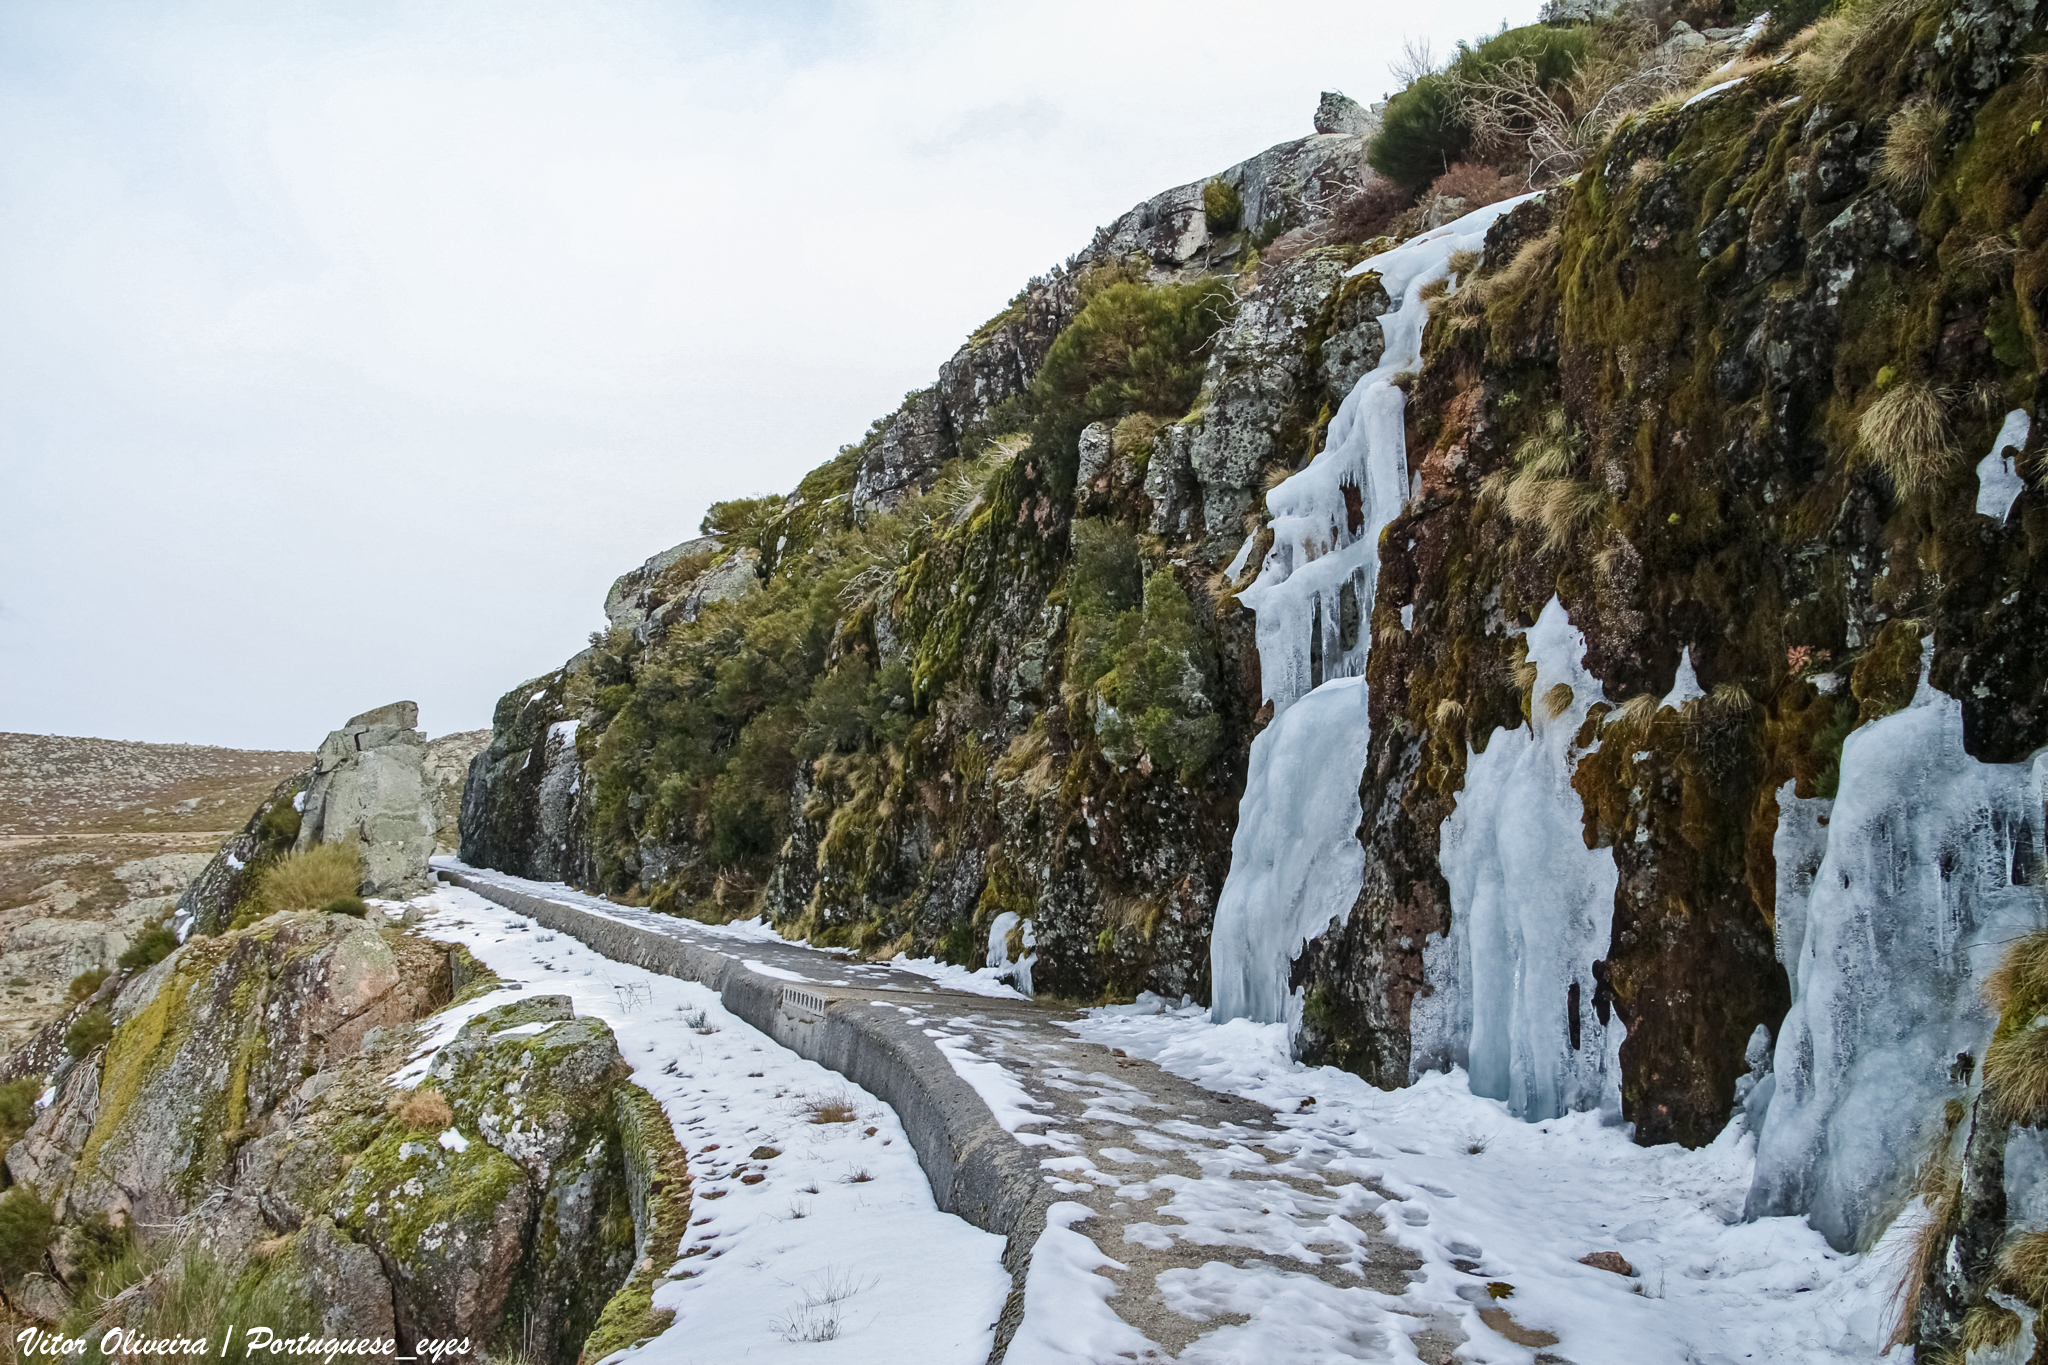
246, 1096
1339, 113
369, 788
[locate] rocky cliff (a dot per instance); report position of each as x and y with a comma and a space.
1587, 637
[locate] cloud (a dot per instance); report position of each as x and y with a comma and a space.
993, 122
353, 350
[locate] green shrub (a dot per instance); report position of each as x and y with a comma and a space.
1422, 131
86, 982
737, 516
92, 1029
346, 905
1222, 207
1162, 685
305, 880
278, 829
101, 1243
18, 1107
26, 1229
151, 946
1135, 347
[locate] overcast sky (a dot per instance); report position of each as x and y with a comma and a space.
352, 349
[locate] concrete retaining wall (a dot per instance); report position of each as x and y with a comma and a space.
977, 1170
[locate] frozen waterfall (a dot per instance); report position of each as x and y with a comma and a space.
1295, 861
1511, 985
1932, 865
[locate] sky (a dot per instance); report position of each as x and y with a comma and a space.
351, 349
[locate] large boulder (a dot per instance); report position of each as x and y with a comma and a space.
207, 1042
369, 788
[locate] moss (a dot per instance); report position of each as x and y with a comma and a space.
1885, 678
659, 1176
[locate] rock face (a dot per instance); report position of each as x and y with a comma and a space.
369, 787
446, 771
1646, 548
248, 1073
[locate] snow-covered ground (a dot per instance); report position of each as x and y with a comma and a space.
1517, 1203
836, 1235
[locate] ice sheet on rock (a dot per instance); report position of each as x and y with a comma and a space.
1933, 865
1295, 860
1998, 476
1531, 907
1798, 846
1685, 686
999, 930
1328, 517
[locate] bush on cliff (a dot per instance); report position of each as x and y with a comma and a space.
151, 946
1425, 129
94, 1028
26, 1228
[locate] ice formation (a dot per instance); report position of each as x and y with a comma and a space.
1998, 478
1932, 865
999, 930
1512, 984
1295, 861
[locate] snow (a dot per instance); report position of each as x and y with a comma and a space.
1998, 477
454, 1141
998, 1087
1454, 1179
563, 731
1296, 861
1085, 1330
842, 1228
952, 977
1685, 686
1712, 91
779, 973
1531, 907
1923, 883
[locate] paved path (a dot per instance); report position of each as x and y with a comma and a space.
1120, 1170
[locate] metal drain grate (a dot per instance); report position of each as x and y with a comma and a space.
798, 1000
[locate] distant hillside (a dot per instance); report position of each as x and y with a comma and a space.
52, 784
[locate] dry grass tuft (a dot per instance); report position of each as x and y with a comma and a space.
1906, 432
2023, 1263
1449, 716
2021, 975
2016, 1069
2016, 1063
1988, 1327
309, 880
1631, 721
425, 1110
826, 1109
1941, 1188
1912, 146
1557, 701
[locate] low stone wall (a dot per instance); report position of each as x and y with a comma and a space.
977, 1171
